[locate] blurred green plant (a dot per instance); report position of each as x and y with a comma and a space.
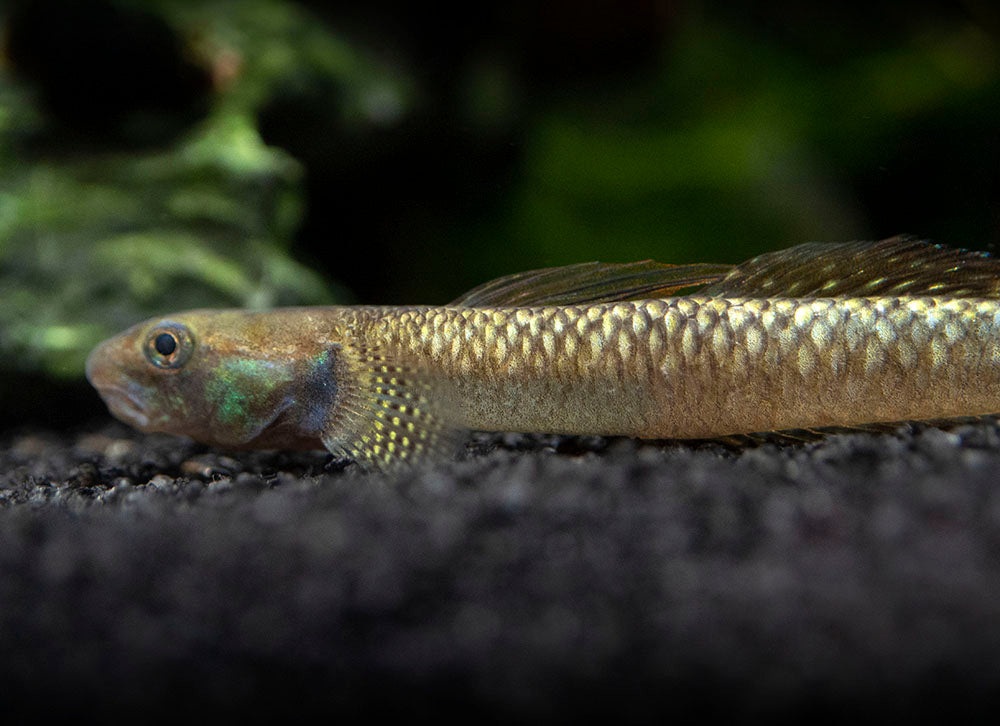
93, 241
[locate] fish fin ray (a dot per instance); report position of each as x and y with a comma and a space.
798, 437
899, 265
591, 282
386, 416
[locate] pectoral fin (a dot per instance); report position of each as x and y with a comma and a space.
386, 413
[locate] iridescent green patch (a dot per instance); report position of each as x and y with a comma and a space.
242, 391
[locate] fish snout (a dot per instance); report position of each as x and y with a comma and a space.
100, 368
93, 366
123, 396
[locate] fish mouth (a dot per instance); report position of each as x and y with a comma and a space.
124, 405
122, 395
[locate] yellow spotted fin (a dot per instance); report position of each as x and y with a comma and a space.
386, 414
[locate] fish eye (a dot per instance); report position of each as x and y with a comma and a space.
165, 343
169, 345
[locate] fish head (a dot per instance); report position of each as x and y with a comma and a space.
221, 377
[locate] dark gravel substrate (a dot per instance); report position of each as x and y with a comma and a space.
537, 577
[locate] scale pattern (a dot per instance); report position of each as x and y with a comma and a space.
686, 367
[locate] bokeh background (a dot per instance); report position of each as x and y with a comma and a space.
157, 156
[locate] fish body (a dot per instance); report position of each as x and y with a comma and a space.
704, 367
389, 384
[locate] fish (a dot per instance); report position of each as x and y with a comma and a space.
821, 334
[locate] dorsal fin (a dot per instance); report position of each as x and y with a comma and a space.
591, 282
894, 266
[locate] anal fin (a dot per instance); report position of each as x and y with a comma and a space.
798, 437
